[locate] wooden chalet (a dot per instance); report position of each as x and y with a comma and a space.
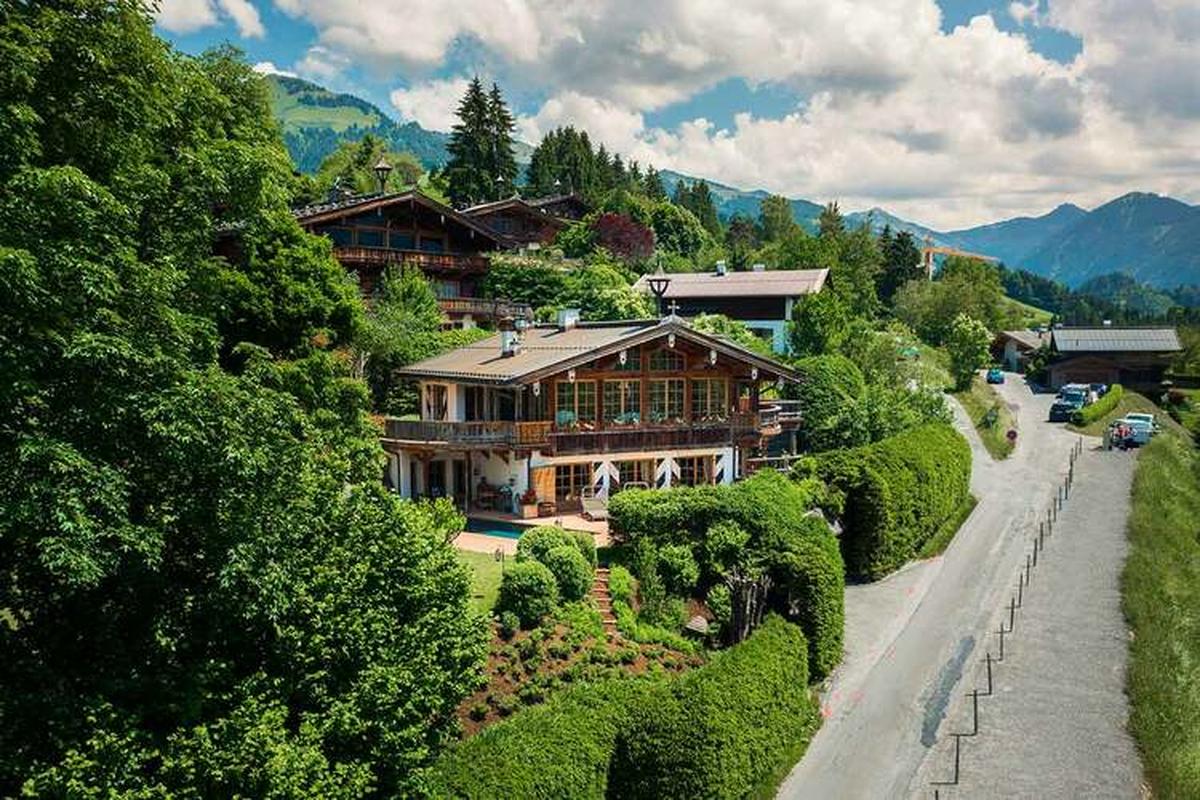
1136, 358
577, 410
375, 232
518, 221
570, 207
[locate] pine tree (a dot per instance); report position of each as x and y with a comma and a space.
704, 207
652, 184
468, 175
502, 163
831, 224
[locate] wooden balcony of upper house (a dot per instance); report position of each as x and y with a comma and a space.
426, 261
483, 308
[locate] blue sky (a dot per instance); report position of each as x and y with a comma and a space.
950, 112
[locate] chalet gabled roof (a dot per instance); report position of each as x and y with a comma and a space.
1110, 339
326, 212
506, 203
572, 197
549, 349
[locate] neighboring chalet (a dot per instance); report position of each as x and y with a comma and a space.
580, 409
1015, 348
518, 221
1133, 357
374, 232
568, 207
761, 298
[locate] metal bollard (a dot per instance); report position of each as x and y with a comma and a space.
974, 712
989, 672
1026, 568
1001, 632
1012, 614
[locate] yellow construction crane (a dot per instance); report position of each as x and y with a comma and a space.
929, 251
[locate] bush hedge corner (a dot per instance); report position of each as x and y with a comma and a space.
528, 589
1099, 409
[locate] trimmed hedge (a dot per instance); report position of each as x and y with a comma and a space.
894, 494
808, 573
1099, 409
722, 730
544, 538
571, 571
529, 590
558, 749
828, 384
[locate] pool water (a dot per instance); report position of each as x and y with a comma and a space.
491, 527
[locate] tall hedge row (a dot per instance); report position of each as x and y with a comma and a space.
808, 576
894, 494
1101, 408
720, 731
559, 749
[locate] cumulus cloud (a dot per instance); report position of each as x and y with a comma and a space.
950, 127
187, 16
432, 103
269, 68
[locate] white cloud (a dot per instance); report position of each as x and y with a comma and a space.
432, 104
951, 127
187, 16
269, 68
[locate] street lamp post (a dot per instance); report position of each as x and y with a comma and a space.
658, 283
382, 170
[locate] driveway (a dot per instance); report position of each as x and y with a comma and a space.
911, 636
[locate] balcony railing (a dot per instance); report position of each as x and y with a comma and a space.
427, 262
480, 307
468, 434
544, 436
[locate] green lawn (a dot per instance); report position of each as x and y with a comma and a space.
1023, 315
1161, 592
485, 578
1130, 401
980, 401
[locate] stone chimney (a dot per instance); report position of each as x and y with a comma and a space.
720, 269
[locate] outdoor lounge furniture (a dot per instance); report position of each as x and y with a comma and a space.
594, 508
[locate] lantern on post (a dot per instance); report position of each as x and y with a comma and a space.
658, 283
382, 169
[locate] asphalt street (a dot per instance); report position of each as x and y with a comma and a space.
911, 637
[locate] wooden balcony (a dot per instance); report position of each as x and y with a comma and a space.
544, 436
487, 309
379, 257
467, 434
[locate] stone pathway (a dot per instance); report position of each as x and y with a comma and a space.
1055, 726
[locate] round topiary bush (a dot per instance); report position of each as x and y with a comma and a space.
678, 569
571, 571
541, 540
528, 589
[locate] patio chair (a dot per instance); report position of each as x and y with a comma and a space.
594, 508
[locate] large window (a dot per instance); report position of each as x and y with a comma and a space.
401, 240
433, 244
666, 400
436, 406
635, 472
370, 237
666, 361
575, 404
709, 399
695, 471
445, 289
570, 480
622, 402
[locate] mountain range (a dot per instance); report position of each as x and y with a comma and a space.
1154, 239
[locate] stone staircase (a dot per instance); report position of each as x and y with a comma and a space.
604, 601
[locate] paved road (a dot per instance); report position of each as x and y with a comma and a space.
910, 636
1055, 726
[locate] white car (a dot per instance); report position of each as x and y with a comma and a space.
1140, 430
1142, 418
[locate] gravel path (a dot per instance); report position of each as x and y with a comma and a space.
1055, 726
911, 637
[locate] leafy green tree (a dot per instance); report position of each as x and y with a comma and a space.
741, 239
733, 330
677, 230
854, 274
210, 592
652, 185
964, 285
818, 324
968, 344
775, 217
351, 167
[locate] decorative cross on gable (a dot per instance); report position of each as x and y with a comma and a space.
673, 307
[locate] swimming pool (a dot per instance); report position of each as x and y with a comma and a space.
492, 527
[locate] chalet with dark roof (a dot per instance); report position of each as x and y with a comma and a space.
375, 232
518, 220
1133, 357
578, 409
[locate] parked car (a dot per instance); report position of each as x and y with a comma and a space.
995, 375
1142, 419
1100, 389
1130, 433
1061, 411
1077, 394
